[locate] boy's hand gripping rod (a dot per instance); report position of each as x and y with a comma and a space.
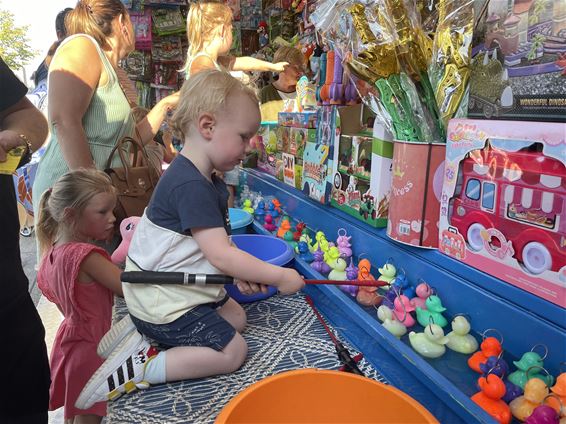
155, 277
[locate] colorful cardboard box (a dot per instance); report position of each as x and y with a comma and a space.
416, 185
361, 181
318, 156
503, 203
267, 149
315, 181
298, 119
519, 62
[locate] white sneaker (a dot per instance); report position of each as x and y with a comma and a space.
122, 372
114, 336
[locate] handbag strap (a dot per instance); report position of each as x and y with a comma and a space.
137, 148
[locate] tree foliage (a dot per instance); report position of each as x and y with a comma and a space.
15, 49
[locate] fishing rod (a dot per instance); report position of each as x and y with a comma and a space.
349, 364
184, 278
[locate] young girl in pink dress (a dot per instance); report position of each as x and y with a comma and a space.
80, 279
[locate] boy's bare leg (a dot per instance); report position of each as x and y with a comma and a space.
196, 362
232, 312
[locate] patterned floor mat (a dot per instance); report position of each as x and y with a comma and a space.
282, 334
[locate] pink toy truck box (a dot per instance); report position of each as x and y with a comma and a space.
503, 204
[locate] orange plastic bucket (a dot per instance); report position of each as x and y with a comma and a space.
321, 396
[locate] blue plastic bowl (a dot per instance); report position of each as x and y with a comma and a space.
239, 220
268, 249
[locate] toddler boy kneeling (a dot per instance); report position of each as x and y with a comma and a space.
186, 228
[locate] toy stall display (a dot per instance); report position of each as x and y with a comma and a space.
318, 155
416, 186
519, 62
160, 36
361, 177
504, 201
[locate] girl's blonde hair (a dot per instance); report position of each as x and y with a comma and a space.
205, 92
203, 18
94, 17
73, 190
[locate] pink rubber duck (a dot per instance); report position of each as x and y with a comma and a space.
423, 291
402, 311
268, 223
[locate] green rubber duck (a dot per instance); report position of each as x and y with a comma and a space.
433, 309
528, 360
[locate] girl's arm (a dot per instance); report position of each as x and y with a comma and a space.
232, 261
247, 63
149, 125
74, 75
96, 267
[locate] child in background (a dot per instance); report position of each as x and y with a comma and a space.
284, 88
209, 28
186, 229
80, 279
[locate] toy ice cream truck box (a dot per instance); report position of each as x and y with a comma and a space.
503, 203
518, 62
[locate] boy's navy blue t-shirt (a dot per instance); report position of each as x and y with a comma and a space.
185, 199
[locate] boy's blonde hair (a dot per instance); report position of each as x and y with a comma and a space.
291, 55
203, 18
72, 190
206, 91
94, 17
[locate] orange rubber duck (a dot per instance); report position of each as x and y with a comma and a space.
283, 228
367, 295
489, 347
535, 392
558, 401
489, 398
277, 205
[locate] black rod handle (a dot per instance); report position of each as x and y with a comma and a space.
154, 277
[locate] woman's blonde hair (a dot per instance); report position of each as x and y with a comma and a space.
203, 18
94, 17
205, 92
73, 190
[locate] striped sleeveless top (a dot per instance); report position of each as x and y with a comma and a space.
107, 119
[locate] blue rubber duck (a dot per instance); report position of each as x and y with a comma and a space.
303, 252
272, 211
260, 210
402, 283
528, 360
433, 309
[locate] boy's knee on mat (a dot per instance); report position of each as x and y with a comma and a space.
240, 322
235, 353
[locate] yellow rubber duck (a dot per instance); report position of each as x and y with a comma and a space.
430, 343
459, 339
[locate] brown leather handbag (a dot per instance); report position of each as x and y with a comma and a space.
134, 181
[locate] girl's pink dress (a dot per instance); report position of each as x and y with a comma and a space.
87, 309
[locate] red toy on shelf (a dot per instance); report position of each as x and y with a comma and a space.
503, 202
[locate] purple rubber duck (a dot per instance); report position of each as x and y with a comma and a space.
318, 264
351, 274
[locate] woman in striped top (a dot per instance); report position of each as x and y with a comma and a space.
88, 111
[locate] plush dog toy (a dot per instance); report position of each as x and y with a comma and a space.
127, 228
